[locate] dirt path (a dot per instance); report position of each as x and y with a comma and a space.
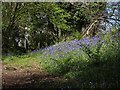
29, 78
21, 78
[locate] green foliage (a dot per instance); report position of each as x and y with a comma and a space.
58, 17
64, 65
94, 54
77, 35
49, 21
97, 67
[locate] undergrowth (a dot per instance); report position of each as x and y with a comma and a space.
97, 66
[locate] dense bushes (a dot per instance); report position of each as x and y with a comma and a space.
94, 65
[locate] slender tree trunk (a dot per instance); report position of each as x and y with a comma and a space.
59, 33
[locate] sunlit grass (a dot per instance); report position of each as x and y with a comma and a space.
24, 61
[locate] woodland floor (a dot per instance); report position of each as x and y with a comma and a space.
16, 78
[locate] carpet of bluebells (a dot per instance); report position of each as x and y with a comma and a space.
63, 49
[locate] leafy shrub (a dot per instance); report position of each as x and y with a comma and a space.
94, 64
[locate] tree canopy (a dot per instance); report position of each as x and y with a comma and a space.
34, 25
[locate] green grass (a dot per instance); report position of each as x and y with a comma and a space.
24, 61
